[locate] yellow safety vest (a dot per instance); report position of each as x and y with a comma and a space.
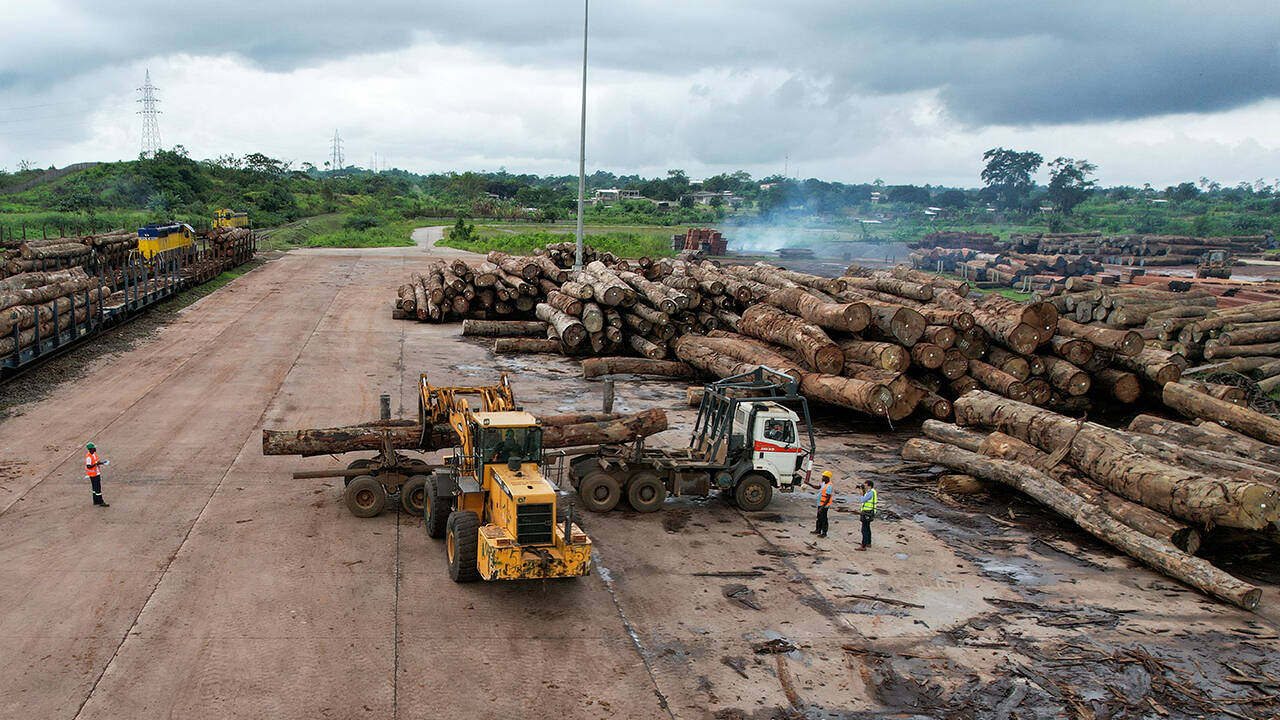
870, 505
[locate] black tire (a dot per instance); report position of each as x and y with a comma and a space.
599, 492
461, 541
363, 464
645, 492
437, 510
580, 470
413, 494
754, 491
365, 496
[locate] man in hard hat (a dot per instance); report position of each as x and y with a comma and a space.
92, 470
826, 496
869, 505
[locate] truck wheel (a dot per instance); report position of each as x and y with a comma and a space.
460, 544
646, 492
753, 493
436, 511
357, 465
413, 494
365, 496
599, 492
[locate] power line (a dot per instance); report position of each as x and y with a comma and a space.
150, 126
337, 161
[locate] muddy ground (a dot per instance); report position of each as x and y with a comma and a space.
217, 586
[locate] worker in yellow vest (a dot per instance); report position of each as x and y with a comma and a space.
869, 502
93, 471
826, 496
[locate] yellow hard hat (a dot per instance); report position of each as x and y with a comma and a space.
826, 473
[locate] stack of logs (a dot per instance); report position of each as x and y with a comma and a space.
1149, 490
1151, 249
65, 252
1004, 268
882, 342
41, 303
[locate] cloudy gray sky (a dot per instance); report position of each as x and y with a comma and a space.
910, 92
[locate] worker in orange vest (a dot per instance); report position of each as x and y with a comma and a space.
826, 496
92, 470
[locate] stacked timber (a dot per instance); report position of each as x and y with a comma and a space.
1148, 491
1134, 249
1004, 269
45, 254
37, 305
985, 242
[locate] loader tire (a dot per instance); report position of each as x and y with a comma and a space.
413, 495
461, 542
753, 493
436, 511
599, 491
645, 492
365, 496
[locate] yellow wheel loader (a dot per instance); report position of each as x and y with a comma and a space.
490, 502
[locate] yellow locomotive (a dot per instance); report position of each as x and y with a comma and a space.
154, 239
226, 217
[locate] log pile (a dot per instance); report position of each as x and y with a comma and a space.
1148, 491
1133, 249
1004, 269
38, 304
65, 252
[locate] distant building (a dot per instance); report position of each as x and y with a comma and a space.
876, 197
608, 196
704, 197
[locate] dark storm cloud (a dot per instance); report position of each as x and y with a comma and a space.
1018, 63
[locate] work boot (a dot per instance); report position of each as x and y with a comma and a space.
861, 547
814, 532
102, 504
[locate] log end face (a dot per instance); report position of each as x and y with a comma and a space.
829, 360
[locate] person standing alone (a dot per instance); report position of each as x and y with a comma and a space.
92, 469
826, 496
869, 501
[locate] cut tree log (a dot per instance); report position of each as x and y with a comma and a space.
1214, 350
595, 367
877, 354
1065, 377
407, 435
993, 378
1143, 519
1076, 351
1152, 365
509, 345
1118, 466
1118, 384
570, 329
1198, 405
1123, 342
1157, 554
773, 325
846, 317
504, 328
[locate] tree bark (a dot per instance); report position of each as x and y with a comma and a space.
1157, 554
646, 347
1194, 404
954, 364
508, 345
769, 323
1119, 467
1152, 365
1120, 341
944, 336
1216, 349
1143, 519
1065, 377
877, 354
504, 328
993, 378
570, 330
847, 317
1118, 384
595, 367
1012, 363
1076, 351
927, 355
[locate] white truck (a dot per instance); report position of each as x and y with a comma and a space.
746, 442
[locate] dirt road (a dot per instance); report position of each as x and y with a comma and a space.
217, 586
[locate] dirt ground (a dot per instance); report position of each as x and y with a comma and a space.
217, 586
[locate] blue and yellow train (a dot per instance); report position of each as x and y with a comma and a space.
153, 239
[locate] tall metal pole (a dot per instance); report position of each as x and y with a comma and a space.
582, 141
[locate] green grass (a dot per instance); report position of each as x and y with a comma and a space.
329, 231
1007, 292
634, 243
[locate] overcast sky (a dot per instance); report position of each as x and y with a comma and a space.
910, 92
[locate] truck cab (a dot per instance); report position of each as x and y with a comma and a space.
775, 447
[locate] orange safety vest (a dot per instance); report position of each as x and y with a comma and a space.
90, 464
827, 495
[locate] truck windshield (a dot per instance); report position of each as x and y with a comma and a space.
499, 444
779, 430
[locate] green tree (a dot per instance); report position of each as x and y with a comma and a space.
1069, 183
1008, 175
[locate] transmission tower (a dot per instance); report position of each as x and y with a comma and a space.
338, 162
150, 127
